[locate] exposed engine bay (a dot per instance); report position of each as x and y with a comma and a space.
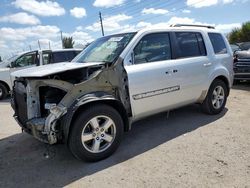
42, 103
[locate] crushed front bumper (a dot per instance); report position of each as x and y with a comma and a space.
42, 128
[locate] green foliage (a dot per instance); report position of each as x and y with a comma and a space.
240, 34
68, 42
0, 59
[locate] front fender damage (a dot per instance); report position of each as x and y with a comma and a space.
110, 80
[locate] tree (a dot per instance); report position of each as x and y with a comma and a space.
240, 34
0, 59
68, 42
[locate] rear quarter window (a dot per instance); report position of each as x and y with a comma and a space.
218, 43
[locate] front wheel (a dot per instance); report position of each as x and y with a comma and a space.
216, 98
96, 133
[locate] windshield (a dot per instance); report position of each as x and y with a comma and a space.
105, 49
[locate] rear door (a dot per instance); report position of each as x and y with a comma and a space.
193, 64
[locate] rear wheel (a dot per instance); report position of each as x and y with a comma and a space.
96, 133
216, 98
3, 91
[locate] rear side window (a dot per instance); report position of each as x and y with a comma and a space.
63, 56
218, 43
190, 44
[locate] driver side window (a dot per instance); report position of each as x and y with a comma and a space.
26, 60
152, 47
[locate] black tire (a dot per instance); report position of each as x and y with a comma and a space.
78, 148
207, 105
3, 91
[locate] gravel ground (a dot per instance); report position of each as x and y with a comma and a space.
189, 149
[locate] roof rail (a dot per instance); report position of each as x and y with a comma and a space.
192, 25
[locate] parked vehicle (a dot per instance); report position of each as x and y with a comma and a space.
242, 63
119, 79
31, 59
235, 47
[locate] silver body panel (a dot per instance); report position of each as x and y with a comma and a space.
194, 76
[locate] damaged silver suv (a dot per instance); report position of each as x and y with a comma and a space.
119, 79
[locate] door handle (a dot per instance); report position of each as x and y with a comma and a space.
207, 64
171, 71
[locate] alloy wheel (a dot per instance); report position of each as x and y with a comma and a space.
98, 134
218, 97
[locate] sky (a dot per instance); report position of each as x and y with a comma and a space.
24, 22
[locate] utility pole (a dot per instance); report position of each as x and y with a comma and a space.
100, 15
39, 45
49, 45
30, 47
61, 38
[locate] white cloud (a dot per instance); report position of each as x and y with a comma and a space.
3, 44
19, 39
111, 23
107, 3
207, 3
79, 37
181, 20
186, 11
227, 27
20, 18
78, 12
224, 28
154, 11
41, 8
199, 3
227, 1
143, 24
21, 34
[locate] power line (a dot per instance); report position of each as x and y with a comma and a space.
156, 4
181, 8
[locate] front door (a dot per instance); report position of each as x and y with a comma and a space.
154, 85
25, 61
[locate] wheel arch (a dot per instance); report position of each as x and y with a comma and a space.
225, 80
86, 101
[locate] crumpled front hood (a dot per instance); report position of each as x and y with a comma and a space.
47, 70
